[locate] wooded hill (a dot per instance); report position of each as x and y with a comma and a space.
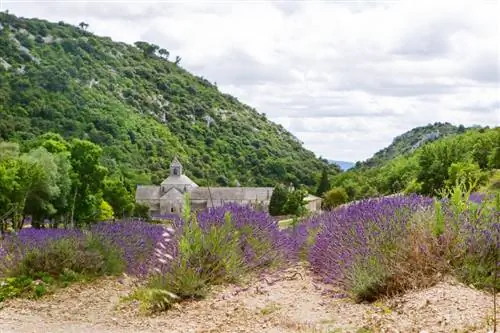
140, 107
472, 156
408, 142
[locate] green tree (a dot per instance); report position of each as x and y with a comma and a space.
41, 186
164, 53
88, 180
148, 49
335, 197
142, 211
116, 194
295, 203
105, 211
324, 183
278, 200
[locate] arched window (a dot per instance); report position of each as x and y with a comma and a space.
176, 171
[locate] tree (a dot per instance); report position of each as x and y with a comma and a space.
147, 48
88, 180
41, 185
177, 60
142, 211
116, 194
164, 53
324, 183
295, 203
106, 211
335, 197
278, 200
83, 25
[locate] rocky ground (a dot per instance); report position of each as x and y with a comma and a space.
286, 302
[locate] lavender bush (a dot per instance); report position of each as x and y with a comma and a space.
362, 230
135, 240
389, 245
260, 238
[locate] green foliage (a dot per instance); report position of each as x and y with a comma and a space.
278, 200
142, 211
295, 203
121, 200
335, 197
409, 141
140, 108
55, 180
454, 158
468, 173
438, 228
106, 211
475, 256
429, 168
324, 183
286, 201
22, 286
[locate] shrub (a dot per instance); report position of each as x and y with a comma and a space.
217, 246
387, 246
358, 245
335, 197
278, 200
85, 256
135, 240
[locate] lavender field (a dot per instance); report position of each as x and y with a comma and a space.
365, 250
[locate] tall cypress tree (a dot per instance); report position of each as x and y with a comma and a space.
324, 183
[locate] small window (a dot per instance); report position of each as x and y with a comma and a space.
172, 210
176, 171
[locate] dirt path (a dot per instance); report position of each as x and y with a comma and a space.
292, 304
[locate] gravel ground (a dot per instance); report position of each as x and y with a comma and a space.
286, 302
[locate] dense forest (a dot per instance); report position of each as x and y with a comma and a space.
471, 155
140, 107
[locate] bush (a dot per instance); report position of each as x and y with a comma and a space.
390, 245
357, 246
135, 241
278, 200
217, 246
335, 197
86, 256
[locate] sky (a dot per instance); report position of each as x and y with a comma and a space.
345, 77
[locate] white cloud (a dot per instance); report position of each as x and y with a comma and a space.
344, 77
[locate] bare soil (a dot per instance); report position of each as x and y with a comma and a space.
288, 301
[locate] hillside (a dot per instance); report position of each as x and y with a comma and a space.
140, 107
409, 141
473, 155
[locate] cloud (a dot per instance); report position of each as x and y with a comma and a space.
344, 77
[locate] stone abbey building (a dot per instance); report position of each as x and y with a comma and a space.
168, 197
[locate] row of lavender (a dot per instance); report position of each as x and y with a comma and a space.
370, 248
137, 240
389, 245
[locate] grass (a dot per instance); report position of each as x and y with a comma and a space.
286, 223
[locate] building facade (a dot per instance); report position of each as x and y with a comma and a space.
168, 197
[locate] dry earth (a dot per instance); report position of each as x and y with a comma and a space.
286, 302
